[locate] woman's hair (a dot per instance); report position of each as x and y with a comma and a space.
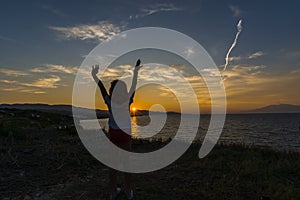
121, 88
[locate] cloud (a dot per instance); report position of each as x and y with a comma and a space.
30, 80
110, 72
47, 68
9, 72
16, 86
51, 82
189, 52
11, 89
245, 82
235, 58
54, 11
235, 10
159, 8
250, 86
245, 69
30, 91
150, 10
256, 54
55, 68
22, 89
7, 39
101, 31
8, 81
250, 56
296, 71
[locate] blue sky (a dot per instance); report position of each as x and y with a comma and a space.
42, 33
27, 40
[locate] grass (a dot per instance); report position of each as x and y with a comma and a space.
51, 164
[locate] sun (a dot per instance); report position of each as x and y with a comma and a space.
133, 111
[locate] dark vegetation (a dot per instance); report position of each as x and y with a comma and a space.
43, 158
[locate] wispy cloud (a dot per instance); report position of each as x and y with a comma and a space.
11, 89
31, 91
248, 85
54, 11
189, 52
55, 68
51, 82
250, 56
22, 89
235, 58
159, 8
7, 39
10, 72
152, 9
101, 31
27, 82
8, 81
256, 54
236, 11
34, 87
296, 71
241, 70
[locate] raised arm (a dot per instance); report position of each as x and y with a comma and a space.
95, 70
134, 79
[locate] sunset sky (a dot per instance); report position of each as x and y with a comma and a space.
44, 42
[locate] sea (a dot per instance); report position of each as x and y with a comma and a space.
278, 131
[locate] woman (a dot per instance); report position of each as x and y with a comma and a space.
119, 126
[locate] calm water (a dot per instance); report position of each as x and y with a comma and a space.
280, 131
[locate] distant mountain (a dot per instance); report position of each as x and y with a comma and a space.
67, 110
280, 108
40, 107
62, 109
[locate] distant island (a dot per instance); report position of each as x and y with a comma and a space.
280, 108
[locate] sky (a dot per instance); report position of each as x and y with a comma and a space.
43, 43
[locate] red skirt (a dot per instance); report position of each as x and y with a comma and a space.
118, 136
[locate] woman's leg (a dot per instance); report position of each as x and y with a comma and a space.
112, 173
127, 176
127, 179
113, 180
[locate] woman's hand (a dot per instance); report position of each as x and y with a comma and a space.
95, 69
138, 62
138, 65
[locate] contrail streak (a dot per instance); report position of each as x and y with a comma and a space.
239, 28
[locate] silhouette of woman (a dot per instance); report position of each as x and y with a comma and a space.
119, 130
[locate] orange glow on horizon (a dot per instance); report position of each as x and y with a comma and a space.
133, 109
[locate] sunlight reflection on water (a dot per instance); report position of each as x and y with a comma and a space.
280, 131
